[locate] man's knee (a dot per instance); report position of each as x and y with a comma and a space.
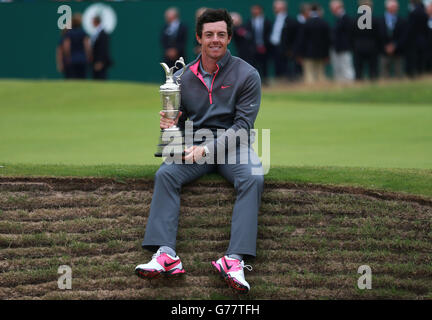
257, 180
250, 180
165, 174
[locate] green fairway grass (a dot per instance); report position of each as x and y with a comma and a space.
407, 92
88, 123
322, 135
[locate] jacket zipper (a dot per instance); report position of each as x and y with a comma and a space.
211, 87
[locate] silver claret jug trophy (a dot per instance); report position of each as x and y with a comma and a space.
171, 139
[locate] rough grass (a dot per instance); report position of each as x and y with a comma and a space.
311, 241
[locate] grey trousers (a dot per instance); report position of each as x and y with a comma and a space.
248, 181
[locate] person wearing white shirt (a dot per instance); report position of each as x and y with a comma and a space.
279, 58
341, 51
280, 11
260, 29
173, 37
393, 28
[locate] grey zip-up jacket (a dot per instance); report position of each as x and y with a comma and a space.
232, 102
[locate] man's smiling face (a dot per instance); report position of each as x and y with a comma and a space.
214, 40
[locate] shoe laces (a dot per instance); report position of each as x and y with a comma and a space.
156, 254
247, 266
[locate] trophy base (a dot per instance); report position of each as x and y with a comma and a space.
175, 146
172, 153
160, 154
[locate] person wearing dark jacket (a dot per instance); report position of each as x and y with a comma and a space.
61, 63
341, 48
101, 56
76, 50
260, 28
242, 38
289, 36
366, 47
301, 19
281, 37
314, 46
416, 39
393, 28
429, 39
173, 37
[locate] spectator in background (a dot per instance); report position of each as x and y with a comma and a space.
315, 46
429, 38
304, 11
366, 46
393, 28
341, 38
260, 29
173, 37
416, 39
242, 38
279, 44
197, 46
101, 55
286, 48
61, 63
76, 50
302, 16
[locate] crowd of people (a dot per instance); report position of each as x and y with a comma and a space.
77, 53
301, 47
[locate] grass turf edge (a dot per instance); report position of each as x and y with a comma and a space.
410, 181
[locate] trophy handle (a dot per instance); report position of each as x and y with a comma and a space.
166, 69
180, 61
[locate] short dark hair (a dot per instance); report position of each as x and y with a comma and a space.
214, 15
315, 6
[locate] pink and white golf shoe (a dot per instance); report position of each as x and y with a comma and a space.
161, 263
232, 271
